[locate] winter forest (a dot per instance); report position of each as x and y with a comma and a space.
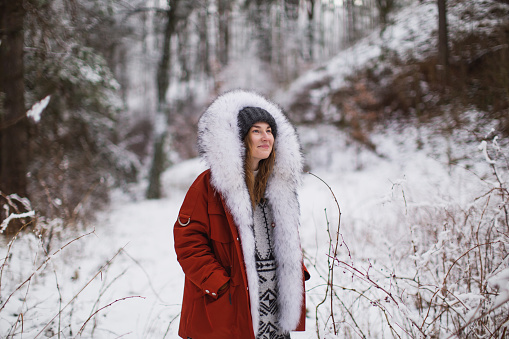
402, 112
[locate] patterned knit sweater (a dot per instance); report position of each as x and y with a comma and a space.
266, 268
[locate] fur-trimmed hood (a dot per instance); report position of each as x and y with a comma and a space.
223, 151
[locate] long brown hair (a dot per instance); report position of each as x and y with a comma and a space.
257, 187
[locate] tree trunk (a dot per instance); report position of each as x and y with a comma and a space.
311, 9
260, 15
178, 10
292, 9
163, 82
13, 120
443, 49
163, 70
385, 7
351, 24
203, 60
223, 8
310, 33
184, 54
158, 161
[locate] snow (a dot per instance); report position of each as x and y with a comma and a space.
12, 216
37, 109
122, 279
410, 35
483, 148
138, 291
501, 282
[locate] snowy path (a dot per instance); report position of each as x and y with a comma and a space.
147, 266
145, 229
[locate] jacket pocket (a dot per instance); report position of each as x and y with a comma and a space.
221, 237
221, 311
219, 228
213, 318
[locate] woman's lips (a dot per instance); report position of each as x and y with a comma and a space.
264, 146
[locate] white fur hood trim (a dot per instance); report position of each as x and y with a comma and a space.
221, 148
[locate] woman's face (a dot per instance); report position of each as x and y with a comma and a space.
261, 140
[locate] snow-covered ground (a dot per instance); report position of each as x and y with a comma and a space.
138, 294
397, 208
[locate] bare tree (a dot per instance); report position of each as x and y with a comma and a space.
292, 9
178, 10
163, 70
384, 8
351, 24
163, 82
224, 9
443, 49
310, 34
311, 9
13, 119
260, 16
203, 50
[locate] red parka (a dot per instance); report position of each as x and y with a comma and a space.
213, 234
208, 249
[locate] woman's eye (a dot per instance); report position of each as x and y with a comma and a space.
269, 131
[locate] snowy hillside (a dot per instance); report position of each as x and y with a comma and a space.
412, 36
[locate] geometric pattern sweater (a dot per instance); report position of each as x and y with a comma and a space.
266, 269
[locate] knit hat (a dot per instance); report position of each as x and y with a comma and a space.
248, 116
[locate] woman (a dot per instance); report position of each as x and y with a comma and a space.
236, 236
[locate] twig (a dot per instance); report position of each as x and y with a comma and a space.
349, 312
103, 290
328, 281
473, 248
8, 254
76, 209
77, 294
334, 254
169, 325
458, 331
364, 277
58, 289
102, 308
41, 266
146, 275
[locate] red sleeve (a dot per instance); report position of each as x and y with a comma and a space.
192, 243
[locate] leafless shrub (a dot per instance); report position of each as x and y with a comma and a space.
448, 277
459, 254
28, 306
16, 213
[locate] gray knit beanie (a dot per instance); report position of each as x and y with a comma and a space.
248, 116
